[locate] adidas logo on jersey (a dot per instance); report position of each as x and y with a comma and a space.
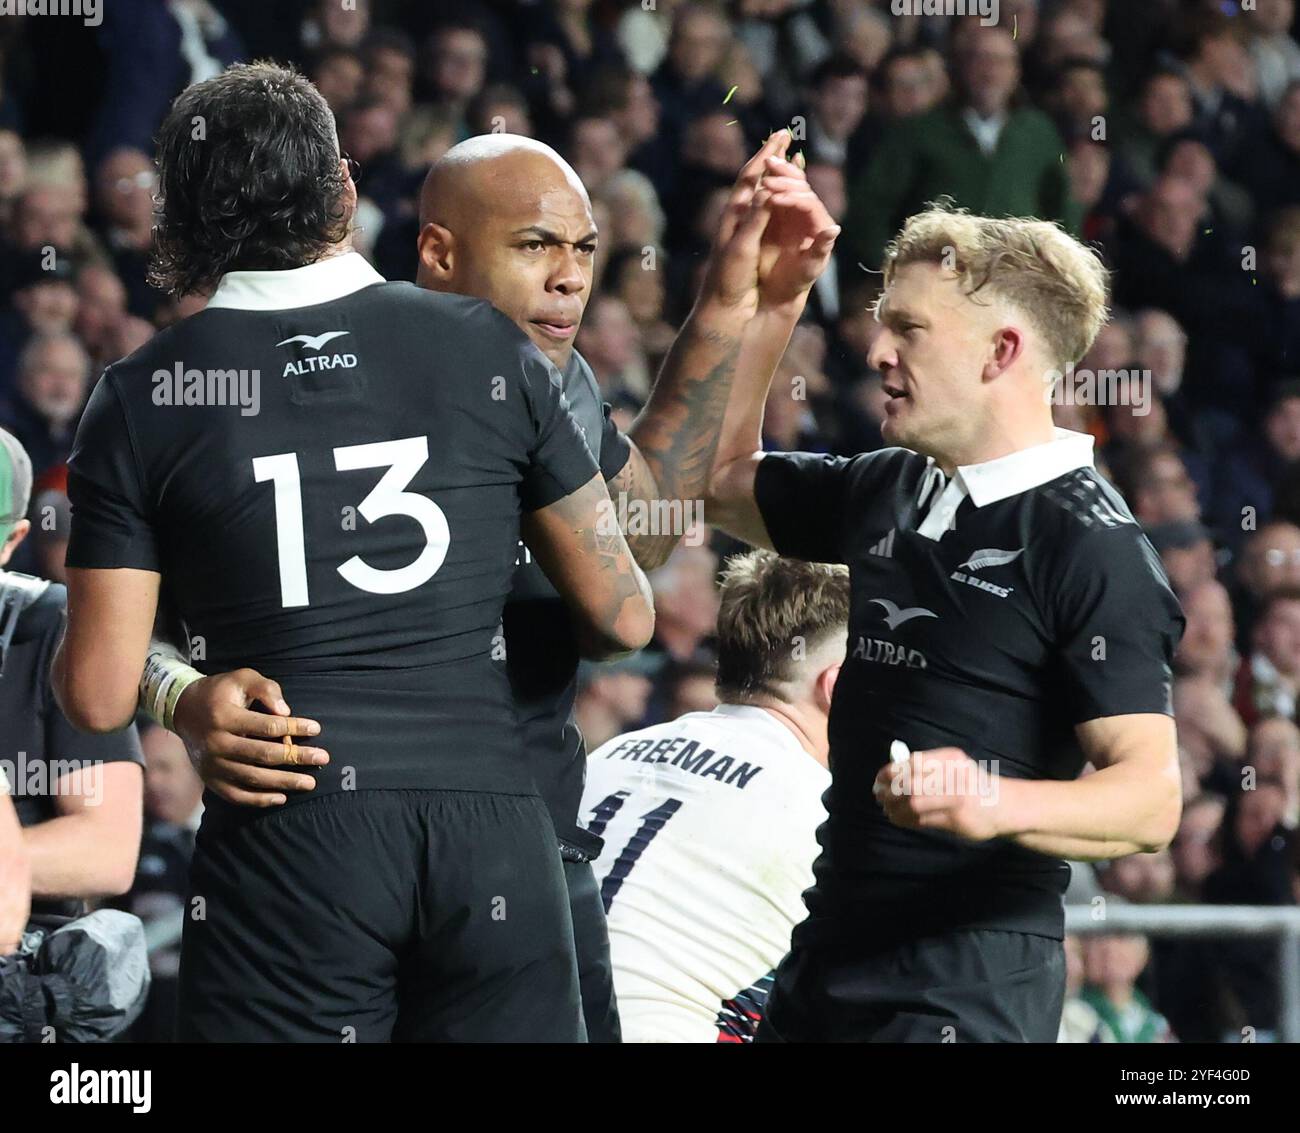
885, 548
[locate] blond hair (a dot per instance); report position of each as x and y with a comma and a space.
1056, 282
774, 613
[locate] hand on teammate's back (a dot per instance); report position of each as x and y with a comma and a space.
238, 751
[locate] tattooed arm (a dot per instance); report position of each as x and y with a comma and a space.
774, 240
577, 542
674, 437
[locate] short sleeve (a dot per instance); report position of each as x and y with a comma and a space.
615, 448
110, 513
561, 461
64, 743
800, 496
1117, 625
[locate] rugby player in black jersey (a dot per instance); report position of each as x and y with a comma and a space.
417, 893
504, 218
1008, 623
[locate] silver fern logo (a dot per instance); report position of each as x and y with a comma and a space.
990, 557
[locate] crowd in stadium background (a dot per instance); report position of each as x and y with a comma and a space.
1167, 132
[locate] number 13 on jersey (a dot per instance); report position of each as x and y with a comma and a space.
403, 459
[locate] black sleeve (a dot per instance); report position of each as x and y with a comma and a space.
801, 497
1117, 625
615, 448
110, 524
561, 461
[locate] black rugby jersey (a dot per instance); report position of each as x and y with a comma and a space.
992, 613
348, 522
540, 644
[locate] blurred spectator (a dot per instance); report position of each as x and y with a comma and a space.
1251, 470
1257, 867
1112, 965
686, 605
691, 687
612, 698
52, 385
1163, 109
1275, 54
642, 293
125, 183
1156, 484
989, 151
1195, 847
1269, 563
611, 343
1141, 879
338, 73
838, 98
1273, 172
1210, 729
1080, 1022
1268, 679
1207, 645
455, 66
906, 85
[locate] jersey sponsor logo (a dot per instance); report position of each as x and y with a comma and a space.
896, 616
704, 762
887, 653
315, 363
315, 343
990, 557
885, 548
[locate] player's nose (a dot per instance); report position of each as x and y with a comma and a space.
883, 353
567, 277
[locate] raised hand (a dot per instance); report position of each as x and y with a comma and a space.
799, 238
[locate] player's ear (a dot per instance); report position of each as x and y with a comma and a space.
437, 254
825, 687
1008, 346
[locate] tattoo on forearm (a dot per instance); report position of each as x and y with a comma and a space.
677, 433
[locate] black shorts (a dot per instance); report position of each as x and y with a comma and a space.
374, 916
970, 986
591, 943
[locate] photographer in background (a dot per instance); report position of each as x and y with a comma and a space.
77, 797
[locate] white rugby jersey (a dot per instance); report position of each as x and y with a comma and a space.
709, 825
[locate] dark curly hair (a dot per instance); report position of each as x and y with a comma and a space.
249, 178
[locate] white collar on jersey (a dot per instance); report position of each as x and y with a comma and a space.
321, 282
992, 480
1017, 472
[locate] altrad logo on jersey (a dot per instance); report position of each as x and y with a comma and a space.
888, 652
315, 363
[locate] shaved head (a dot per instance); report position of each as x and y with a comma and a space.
505, 218
506, 165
